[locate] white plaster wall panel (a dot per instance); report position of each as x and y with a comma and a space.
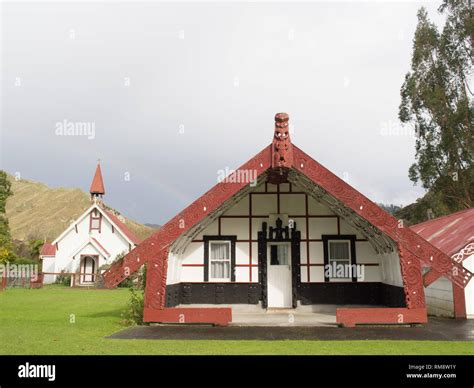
320, 226
192, 274
316, 252
241, 208
390, 269
257, 226
241, 253
347, 229
211, 230
469, 290
304, 274
194, 253
260, 188
255, 275
365, 253
272, 188
316, 273
263, 204
235, 227
284, 187
255, 253
316, 208
439, 298
292, 204
301, 226
303, 255
371, 274
242, 274
48, 266
172, 270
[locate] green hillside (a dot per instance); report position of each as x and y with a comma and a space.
36, 211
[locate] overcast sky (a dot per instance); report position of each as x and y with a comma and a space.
176, 92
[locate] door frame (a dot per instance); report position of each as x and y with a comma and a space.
279, 234
289, 290
82, 266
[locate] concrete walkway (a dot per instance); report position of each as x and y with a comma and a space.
438, 329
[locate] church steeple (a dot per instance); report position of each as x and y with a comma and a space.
97, 189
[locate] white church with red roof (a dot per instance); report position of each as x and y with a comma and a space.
96, 238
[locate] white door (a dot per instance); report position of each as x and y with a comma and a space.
279, 275
88, 270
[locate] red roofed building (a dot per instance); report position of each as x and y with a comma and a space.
282, 231
96, 238
454, 235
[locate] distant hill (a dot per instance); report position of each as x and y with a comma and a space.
154, 226
38, 211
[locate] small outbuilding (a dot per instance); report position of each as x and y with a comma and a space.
454, 235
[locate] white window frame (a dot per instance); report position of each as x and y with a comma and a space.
348, 242
229, 259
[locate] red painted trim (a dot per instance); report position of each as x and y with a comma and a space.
93, 274
216, 316
302, 240
413, 249
459, 299
419, 248
322, 265
308, 259
250, 237
237, 265
289, 216
350, 317
278, 198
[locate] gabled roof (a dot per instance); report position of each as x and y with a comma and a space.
278, 161
449, 233
91, 241
113, 219
97, 186
48, 250
122, 227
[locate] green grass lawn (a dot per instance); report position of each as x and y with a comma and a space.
57, 320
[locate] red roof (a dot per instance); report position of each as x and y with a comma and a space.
123, 228
48, 250
296, 164
450, 233
97, 186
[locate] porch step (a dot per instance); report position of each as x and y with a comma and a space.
289, 318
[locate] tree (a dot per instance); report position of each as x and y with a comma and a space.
437, 99
6, 253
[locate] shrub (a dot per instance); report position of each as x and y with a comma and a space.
134, 313
63, 279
